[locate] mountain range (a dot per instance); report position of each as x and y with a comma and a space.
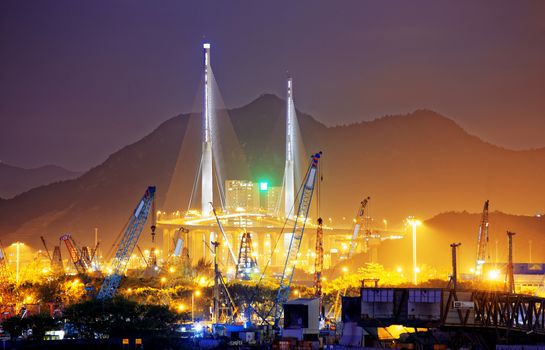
16, 180
418, 164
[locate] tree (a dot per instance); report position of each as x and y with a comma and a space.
119, 317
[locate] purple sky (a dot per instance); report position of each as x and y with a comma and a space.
81, 79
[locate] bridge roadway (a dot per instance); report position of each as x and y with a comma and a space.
266, 231
446, 308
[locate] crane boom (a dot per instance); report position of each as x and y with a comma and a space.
46, 250
231, 253
296, 238
359, 223
127, 244
75, 255
482, 241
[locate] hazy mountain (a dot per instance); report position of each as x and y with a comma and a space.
435, 235
417, 164
15, 180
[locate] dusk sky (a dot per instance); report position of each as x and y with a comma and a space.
81, 79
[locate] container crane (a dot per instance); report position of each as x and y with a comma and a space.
127, 244
358, 225
296, 238
482, 242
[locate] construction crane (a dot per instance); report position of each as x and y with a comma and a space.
75, 255
179, 242
46, 250
4, 271
127, 244
482, 242
319, 263
56, 260
296, 238
359, 223
247, 263
222, 302
231, 253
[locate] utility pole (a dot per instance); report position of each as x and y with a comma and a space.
216, 302
510, 274
453, 277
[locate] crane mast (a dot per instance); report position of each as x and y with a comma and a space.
319, 261
482, 242
127, 244
296, 238
359, 223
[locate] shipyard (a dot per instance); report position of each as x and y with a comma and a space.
260, 227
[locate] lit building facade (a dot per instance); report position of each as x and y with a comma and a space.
241, 195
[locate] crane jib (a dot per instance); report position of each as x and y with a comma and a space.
311, 178
295, 241
140, 206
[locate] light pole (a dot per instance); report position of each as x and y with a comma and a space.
17, 244
195, 293
413, 222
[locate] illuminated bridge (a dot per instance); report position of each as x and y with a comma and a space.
242, 205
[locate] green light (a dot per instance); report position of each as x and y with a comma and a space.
263, 186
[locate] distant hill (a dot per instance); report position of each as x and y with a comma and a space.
417, 164
435, 235
15, 180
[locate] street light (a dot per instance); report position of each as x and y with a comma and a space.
197, 294
17, 245
413, 222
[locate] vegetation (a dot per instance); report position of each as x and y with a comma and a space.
119, 317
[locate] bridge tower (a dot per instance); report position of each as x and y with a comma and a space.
206, 160
289, 171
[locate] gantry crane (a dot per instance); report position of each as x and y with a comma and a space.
482, 242
359, 223
127, 244
296, 238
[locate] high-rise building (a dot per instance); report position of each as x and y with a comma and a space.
272, 200
241, 195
